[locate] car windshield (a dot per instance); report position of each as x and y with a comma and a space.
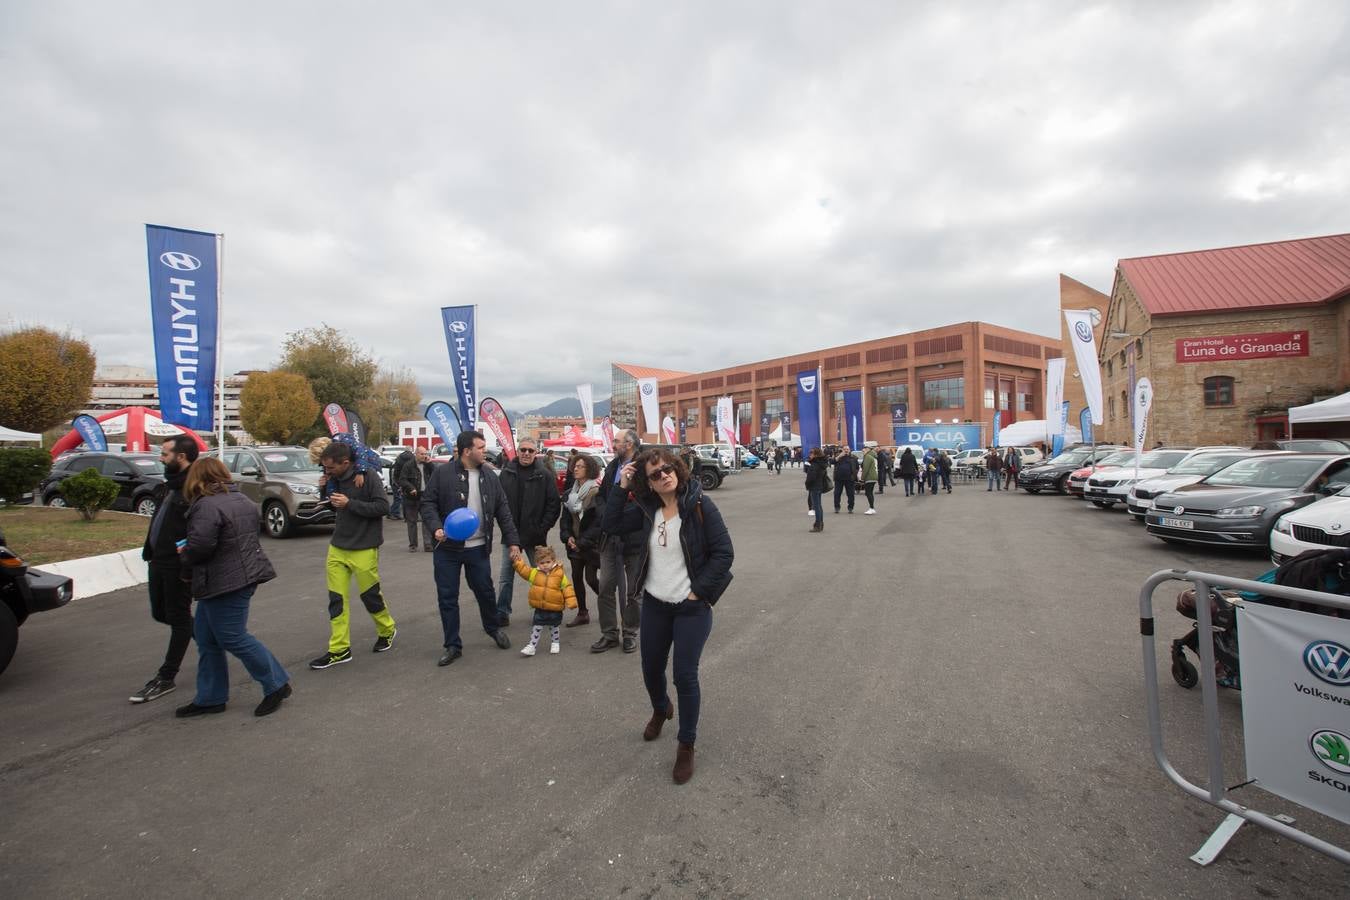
1120, 458
288, 461
1311, 445
1161, 459
1267, 472
1205, 464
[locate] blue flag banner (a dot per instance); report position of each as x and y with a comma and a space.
684, 435
1085, 424
91, 432
358, 427
787, 426
959, 437
808, 409
855, 430
764, 429
998, 420
458, 322
1057, 442
185, 316
442, 417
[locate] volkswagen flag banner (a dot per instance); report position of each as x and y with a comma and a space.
459, 340
856, 431
1085, 354
808, 409
651, 408
335, 417
443, 418
1296, 705
184, 315
607, 433
357, 427
998, 420
492, 413
668, 430
91, 432
1143, 402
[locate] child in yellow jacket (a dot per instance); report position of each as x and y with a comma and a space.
550, 594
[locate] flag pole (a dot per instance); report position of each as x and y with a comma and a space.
220, 331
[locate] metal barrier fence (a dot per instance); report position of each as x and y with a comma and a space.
1215, 792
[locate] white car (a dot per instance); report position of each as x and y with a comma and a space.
716, 451
1200, 464
970, 459
1321, 525
1108, 489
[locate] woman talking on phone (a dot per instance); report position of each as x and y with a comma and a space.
686, 559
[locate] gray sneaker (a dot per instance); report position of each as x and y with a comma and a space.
153, 690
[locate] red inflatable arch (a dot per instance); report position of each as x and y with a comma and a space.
140, 429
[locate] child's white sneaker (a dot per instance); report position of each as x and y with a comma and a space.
527, 650
870, 512
555, 647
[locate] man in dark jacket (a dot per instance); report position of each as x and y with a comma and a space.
412, 475
360, 504
465, 482
620, 562
531, 489
170, 584
845, 477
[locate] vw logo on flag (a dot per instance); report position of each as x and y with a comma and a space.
183, 262
1084, 331
1328, 661
459, 327
646, 389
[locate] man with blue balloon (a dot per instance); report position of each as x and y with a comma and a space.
461, 501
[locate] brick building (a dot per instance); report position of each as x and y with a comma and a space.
956, 373
1231, 338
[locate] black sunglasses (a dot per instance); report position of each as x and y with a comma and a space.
662, 472
526, 449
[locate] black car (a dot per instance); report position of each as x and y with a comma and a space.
1053, 474
137, 475
1237, 506
24, 591
709, 470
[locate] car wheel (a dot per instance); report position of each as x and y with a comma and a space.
1062, 485
54, 500
1103, 504
9, 635
276, 521
708, 479
146, 506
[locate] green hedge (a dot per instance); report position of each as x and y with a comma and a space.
22, 470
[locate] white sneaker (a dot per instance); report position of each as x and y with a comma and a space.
555, 647
870, 512
527, 650
811, 513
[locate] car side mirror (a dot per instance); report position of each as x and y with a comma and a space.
250, 470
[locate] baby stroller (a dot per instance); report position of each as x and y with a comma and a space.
1324, 570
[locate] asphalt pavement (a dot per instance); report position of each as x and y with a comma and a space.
941, 700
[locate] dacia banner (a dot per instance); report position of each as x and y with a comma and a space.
185, 316
1296, 705
459, 340
855, 431
443, 418
91, 432
492, 413
808, 409
947, 437
335, 417
1085, 354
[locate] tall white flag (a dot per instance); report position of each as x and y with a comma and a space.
587, 407
726, 430
651, 407
1142, 403
1085, 352
1054, 397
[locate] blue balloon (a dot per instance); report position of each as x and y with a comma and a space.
460, 524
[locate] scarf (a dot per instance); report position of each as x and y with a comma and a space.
580, 498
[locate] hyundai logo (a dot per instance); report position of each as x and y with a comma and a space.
1328, 661
459, 327
183, 262
1084, 331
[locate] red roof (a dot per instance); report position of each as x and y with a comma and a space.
649, 372
1305, 272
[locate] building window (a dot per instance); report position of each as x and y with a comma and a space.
773, 408
944, 393
1111, 408
990, 389
691, 417
1024, 397
1219, 391
884, 396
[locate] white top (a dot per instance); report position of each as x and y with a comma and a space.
475, 503
667, 576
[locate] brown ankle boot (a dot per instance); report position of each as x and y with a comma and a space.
582, 618
684, 763
653, 729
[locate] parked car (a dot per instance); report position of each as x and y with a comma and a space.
1106, 489
1053, 474
968, 459
748, 459
1139, 497
137, 475
710, 469
282, 481
712, 451
1238, 505
1078, 479
1306, 445
24, 591
1321, 525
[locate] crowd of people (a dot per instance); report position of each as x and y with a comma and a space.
640, 535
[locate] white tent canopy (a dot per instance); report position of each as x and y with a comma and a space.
1032, 431
777, 437
1333, 409
9, 434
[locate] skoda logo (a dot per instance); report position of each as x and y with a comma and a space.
459, 327
183, 262
1332, 750
1335, 526
1178, 510
1083, 330
1328, 661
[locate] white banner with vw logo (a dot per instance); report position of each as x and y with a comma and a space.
651, 408
1296, 705
1085, 354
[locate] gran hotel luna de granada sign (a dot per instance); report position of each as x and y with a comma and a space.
1242, 346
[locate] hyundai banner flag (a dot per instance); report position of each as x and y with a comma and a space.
495, 417
184, 316
458, 322
91, 432
808, 409
443, 418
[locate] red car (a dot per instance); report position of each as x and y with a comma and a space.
1078, 479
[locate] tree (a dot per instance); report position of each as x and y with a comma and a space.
337, 369
394, 396
89, 492
21, 470
47, 378
276, 406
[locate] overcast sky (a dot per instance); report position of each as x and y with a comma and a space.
684, 185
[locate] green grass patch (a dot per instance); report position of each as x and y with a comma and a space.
42, 534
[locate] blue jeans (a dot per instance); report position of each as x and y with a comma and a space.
395, 501
506, 579
477, 566
221, 624
995, 481
684, 626
813, 497
909, 485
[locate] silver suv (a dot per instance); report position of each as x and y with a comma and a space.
284, 482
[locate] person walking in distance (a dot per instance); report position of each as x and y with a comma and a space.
686, 561
619, 597
909, 470
579, 526
1012, 464
869, 479
817, 468
845, 477
993, 464
530, 486
170, 584
944, 467
412, 479
467, 483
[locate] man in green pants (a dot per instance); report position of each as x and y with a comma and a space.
360, 504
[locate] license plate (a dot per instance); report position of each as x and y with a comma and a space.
1176, 523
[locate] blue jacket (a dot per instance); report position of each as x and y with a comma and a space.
448, 489
703, 536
